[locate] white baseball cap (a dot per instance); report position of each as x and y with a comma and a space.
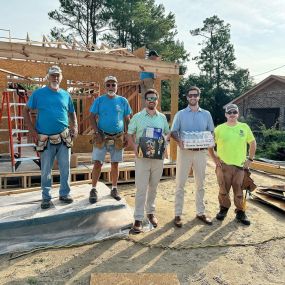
54, 70
110, 78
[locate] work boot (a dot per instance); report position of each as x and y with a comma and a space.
66, 199
46, 204
93, 197
115, 194
241, 217
222, 214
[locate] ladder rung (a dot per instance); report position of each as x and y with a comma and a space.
17, 118
23, 144
26, 158
4, 142
13, 117
19, 131
4, 130
17, 104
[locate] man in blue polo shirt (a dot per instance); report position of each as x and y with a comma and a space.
54, 111
110, 114
191, 119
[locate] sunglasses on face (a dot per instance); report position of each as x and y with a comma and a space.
151, 99
193, 95
111, 84
232, 112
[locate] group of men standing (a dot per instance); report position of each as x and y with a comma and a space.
110, 117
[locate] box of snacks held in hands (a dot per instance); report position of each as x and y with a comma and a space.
152, 144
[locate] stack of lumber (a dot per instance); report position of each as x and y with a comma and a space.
272, 195
268, 167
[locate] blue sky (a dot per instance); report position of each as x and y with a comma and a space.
257, 27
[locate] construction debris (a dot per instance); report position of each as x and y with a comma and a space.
273, 196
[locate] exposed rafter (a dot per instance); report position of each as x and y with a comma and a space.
108, 59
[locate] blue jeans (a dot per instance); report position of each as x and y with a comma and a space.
62, 153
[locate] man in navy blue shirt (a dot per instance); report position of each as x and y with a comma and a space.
110, 115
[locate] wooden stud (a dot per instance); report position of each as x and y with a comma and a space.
174, 108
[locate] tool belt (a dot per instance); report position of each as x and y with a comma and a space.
64, 137
102, 139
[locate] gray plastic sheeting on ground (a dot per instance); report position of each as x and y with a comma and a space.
25, 226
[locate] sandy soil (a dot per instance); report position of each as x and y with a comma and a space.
225, 253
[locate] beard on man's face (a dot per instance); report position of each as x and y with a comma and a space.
54, 85
151, 106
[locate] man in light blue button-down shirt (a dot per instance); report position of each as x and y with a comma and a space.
191, 119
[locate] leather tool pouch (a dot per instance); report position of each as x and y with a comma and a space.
67, 138
98, 140
42, 142
119, 141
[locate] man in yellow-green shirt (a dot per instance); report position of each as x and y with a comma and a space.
232, 139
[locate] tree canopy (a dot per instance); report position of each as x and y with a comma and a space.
125, 23
221, 80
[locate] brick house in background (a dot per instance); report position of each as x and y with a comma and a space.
265, 102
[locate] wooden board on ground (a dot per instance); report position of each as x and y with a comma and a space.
280, 204
134, 279
277, 188
268, 167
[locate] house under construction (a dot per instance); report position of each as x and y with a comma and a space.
24, 63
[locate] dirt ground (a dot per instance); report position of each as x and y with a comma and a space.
225, 253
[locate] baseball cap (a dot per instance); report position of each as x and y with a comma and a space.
110, 78
231, 107
54, 70
153, 52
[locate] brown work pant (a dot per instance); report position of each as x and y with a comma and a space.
230, 176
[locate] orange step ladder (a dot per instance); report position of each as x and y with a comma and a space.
13, 101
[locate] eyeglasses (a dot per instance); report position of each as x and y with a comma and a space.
109, 84
193, 95
151, 99
232, 112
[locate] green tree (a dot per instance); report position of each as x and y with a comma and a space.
217, 64
83, 18
241, 82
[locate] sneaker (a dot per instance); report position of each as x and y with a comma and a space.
93, 197
222, 214
115, 194
242, 218
46, 204
66, 199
